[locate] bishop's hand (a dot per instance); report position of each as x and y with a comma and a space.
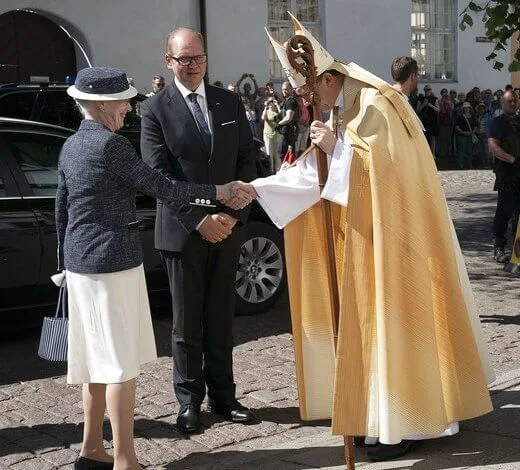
322, 137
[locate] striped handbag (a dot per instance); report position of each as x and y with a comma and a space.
55, 330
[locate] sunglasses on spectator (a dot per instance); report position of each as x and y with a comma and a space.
188, 60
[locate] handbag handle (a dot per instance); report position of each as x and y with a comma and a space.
62, 304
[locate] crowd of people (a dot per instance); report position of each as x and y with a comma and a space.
480, 130
280, 120
464, 130
457, 124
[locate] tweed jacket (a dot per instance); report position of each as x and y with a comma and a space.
99, 174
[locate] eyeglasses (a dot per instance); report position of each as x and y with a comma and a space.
187, 60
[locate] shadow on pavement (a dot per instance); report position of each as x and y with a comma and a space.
490, 439
461, 451
246, 328
28, 366
20, 361
501, 319
272, 459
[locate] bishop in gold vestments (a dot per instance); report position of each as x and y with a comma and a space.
410, 358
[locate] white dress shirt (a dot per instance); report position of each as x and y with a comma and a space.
201, 99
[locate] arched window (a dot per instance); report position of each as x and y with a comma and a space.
434, 39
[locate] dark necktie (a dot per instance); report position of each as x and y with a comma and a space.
201, 121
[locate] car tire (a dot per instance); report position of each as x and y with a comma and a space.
261, 273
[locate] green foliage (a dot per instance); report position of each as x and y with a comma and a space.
501, 19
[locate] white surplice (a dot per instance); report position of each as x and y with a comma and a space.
293, 190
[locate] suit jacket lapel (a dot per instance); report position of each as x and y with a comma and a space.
182, 114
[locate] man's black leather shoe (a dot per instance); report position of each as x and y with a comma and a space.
499, 253
188, 419
233, 411
385, 452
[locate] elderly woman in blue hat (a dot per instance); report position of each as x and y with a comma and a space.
110, 327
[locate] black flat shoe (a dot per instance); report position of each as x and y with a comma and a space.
385, 452
359, 441
188, 419
233, 411
83, 463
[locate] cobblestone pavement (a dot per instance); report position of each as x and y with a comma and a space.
497, 294
40, 416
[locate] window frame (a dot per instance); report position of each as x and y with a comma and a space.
288, 23
431, 33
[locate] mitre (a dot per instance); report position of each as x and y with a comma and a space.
322, 59
295, 78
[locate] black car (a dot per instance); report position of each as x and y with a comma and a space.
28, 178
49, 102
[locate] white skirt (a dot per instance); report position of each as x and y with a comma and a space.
110, 326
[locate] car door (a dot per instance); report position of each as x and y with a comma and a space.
36, 153
20, 247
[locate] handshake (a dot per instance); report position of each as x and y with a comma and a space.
236, 195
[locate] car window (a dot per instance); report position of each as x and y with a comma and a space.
37, 155
18, 104
60, 109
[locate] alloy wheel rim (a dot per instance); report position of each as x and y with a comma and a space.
260, 270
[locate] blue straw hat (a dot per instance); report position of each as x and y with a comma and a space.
101, 84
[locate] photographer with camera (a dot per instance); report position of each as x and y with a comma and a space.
270, 118
428, 110
288, 124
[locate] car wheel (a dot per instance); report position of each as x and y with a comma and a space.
260, 277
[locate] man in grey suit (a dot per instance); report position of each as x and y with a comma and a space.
199, 133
